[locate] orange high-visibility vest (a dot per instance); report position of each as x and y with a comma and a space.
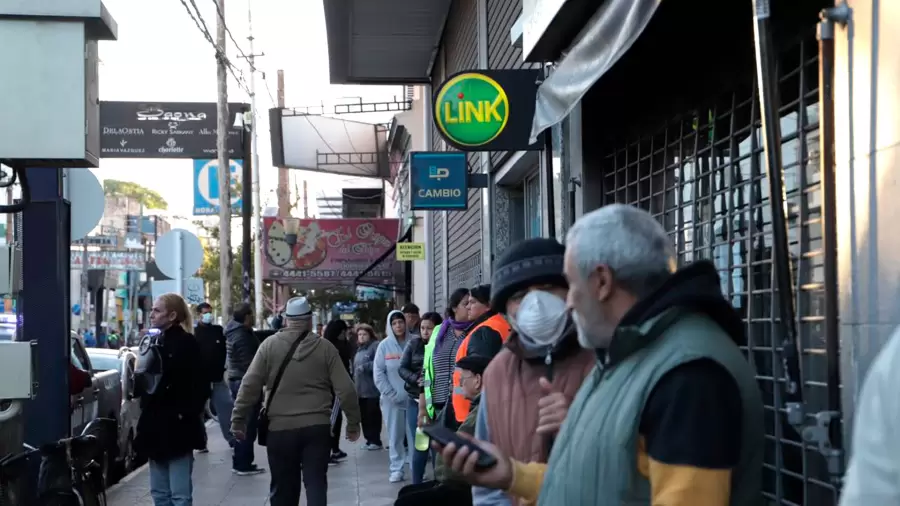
461, 405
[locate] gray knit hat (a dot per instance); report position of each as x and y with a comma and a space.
537, 261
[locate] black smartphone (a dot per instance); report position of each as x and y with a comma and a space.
445, 436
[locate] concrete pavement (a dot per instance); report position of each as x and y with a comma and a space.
360, 480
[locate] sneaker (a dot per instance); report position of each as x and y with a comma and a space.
338, 455
204, 450
333, 461
397, 477
253, 470
373, 447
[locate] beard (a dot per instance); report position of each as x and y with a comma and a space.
594, 334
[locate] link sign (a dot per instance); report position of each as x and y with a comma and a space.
487, 110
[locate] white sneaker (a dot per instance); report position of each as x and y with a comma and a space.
397, 477
372, 447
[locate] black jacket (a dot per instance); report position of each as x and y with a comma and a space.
171, 423
411, 366
242, 345
211, 339
345, 351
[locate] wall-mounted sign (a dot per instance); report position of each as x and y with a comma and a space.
165, 130
206, 187
106, 241
410, 251
438, 180
487, 110
109, 260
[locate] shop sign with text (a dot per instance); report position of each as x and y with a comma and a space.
108, 260
487, 110
438, 180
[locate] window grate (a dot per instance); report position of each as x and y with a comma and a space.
702, 176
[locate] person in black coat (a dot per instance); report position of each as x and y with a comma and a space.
211, 338
336, 333
170, 427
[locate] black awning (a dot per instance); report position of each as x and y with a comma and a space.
399, 284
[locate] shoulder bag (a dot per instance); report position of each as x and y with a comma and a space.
262, 424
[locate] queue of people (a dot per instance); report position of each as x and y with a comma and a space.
594, 373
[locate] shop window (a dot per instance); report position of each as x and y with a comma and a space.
533, 207
702, 176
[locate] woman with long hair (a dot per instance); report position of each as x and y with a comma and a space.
411, 371
440, 357
363, 367
336, 334
170, 427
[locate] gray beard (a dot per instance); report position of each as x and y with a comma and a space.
588, 340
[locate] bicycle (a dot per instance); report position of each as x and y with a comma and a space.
71, 471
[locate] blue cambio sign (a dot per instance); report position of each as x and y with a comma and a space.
439, 180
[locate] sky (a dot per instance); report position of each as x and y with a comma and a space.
162, 56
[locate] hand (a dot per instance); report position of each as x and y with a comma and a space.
352, 434
239, 435
552, 409
462, 461
422, 417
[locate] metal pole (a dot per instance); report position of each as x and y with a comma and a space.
246, 219
257, 206
85, 292
224, 166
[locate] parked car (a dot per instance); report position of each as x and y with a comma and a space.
103, 399
122, 361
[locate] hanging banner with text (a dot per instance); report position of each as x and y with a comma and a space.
109, 260
166, 130
328, 251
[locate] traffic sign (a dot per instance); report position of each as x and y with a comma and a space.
206, 187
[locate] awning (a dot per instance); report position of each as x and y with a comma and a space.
383, 41
608, 35
399, 283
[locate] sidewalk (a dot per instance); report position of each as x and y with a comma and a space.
360, 480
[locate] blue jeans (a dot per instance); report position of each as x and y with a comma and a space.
223, 404
419, 460
243, 450
170, 481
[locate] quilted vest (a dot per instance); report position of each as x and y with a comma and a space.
594, 458
512, 393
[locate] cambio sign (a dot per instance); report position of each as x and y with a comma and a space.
165, 130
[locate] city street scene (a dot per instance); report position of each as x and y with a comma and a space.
462, 252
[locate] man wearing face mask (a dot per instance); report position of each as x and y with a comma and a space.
529, 287
211, 338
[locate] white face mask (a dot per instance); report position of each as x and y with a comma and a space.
206, 318
541, 319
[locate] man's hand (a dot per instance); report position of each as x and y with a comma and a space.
422, 418
462, 461
552, 409
239, 434
352, 433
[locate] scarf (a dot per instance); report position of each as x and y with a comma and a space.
445, 328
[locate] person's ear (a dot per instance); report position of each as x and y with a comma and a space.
601, 283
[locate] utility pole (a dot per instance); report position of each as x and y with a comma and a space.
305, 200
257, 211
284, 205
224, 165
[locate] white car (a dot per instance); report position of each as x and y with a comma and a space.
122, 361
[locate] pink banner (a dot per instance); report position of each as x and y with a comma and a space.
329, 251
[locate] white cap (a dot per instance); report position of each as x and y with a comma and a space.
297, 307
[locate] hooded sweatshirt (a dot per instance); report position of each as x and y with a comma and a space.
387, 366
304, 396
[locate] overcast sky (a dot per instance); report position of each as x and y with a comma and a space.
162, 56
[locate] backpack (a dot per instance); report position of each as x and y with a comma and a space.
148, 373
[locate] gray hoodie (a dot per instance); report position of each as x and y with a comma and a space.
387, 365
363, 368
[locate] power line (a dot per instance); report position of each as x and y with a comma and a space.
220, 54
222, 17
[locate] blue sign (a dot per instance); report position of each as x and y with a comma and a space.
206, 187
438, 181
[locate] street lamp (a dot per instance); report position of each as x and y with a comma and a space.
291, 226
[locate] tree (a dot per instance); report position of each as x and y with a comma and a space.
147, 197
324, 299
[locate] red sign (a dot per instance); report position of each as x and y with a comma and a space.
329, 251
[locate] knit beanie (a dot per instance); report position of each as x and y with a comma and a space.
537, 261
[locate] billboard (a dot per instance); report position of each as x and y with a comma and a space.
206, 187
109, 260
329, 251
165, 130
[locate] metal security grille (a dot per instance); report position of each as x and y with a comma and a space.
701, 176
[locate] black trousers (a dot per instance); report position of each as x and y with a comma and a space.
295, 454
371, 420
336, 433
434, 493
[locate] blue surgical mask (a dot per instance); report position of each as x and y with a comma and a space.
206, 318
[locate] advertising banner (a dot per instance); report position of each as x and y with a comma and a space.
206, 187
329, 251
165, 130
109, 260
